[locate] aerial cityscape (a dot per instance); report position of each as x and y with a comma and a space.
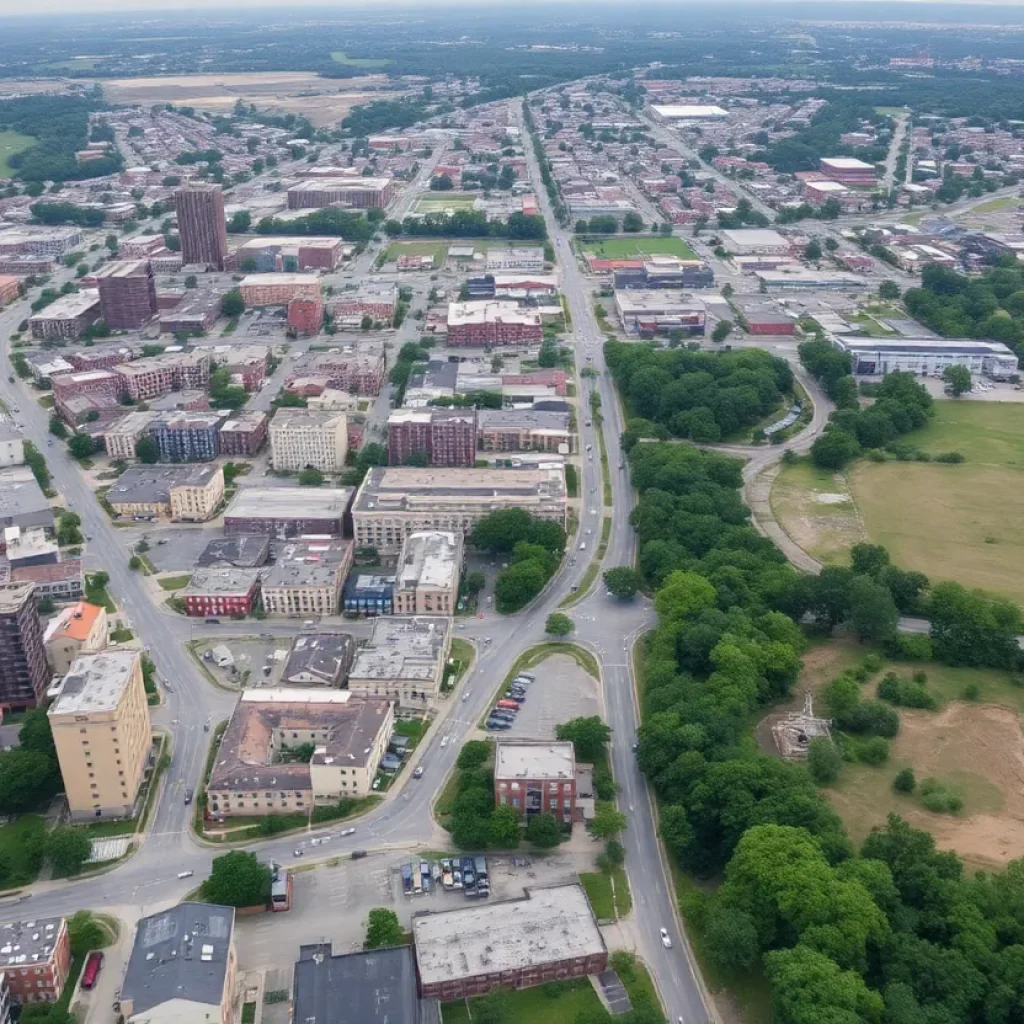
508, 515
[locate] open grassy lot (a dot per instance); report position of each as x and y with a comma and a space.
340, 57
20, 842
439, 250
633, 248
557, 1002
816, 508
995, 205
11, 143
437, 202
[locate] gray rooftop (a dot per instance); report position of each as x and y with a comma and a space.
295, 574
430, 559
28, 942
945, 346
22, 502
522, 419
95, 682
248, 550
403, 647
546, 926
180, 954
289, 503
141, 485
223, 580
534, 759
322, 657
376, 987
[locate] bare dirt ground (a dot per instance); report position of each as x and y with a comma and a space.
323, 100
977, 749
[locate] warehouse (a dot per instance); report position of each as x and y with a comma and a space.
872, 356
287, 511
763, 318
751, 241
659, 311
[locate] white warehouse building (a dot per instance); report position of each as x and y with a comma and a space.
874, 357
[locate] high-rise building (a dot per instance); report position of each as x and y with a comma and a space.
23, 670
204, 237
443, 437
127, 294
300, 439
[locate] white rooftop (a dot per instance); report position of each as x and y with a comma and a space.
295, 695
684, 110
554, 760
846, 163
828, 186
95, 682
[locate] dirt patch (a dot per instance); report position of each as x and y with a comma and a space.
977, 750
324, 101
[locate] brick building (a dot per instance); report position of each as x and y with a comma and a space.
521, 430
46, 948
287, 254
287, 511
24, 674
156, 375
221, 591
101, 385
493, 323
243, 434
201, 225
305, 315
361, 193
127, 294
536, 777
376, 303
447, 437
67, 317
278, 289
197, 311
8, 289
360, 373
847, 170
187, 436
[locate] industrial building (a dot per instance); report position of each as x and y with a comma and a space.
79, 628
689, 112
810, 280
185, 493
38, 971
520, 430
873, 356
763, 317
182, 967
427, 579
101, 729
754, 241
536, 777
523, 258
404, 660
394, 501
221, 591
287, 511
444, 437
647, 313
665, 272
549, 934
300, 439
201, 225
127, 294
492, 322
24, 674
67, 316
350, 735
360, 193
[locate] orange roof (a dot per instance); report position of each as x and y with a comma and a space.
81, 617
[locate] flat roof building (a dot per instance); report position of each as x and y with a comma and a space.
394, 501
428, 573
811, 280
35, 958
182, 967
12, 446
186, 493
746, 241
536, 777
321, 658
24, 674
278, 289
127, 293
221, 591
549, 934
288, 511
307, 577
361, 193
301, 439
404, 660
67, 316
22, 502
518, 430
80, 628
873, 356
247, 550
100, 723
658, 311
350, 735
446, 437
689, 112
492, 322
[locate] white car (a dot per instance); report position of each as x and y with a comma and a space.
347, 832
444, 741
665, 940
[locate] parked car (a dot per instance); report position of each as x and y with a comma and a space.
188, 796
91, 969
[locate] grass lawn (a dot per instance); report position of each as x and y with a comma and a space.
175, 582
872, 327
642, 245
340, 57
121, 636
598, 887
890, 111
556, 1002
110, 829
11, 143
437, 249
994, 205
956, 522
16, 842
438, 202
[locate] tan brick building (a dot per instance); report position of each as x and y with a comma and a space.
300, 439
101, 729
77, 629
427, 580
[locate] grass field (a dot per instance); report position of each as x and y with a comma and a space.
642, 245
438, 202
995, 205
556, 1002
954, 522
339, 57
16, 842
11, 143
439, 250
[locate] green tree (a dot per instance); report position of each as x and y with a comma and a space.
475, 582
499, 532
85, 933
588, 735
559, 624
834, 449
503, 828
27, 778
722, 330
622, 582
69, 529
67, 849
441, 183
111, 243
35, 733
191, 281
366, 323
958, 380
632, 222
607, 822
383, 929
311, 478
889, 290
57, 427
730, 938
241, 220
904, 782
805, 982
81, 446
812, 251
147, 450
824, 761
237, 879
543, 831
873, 613
683, 594
135, 562
232, 304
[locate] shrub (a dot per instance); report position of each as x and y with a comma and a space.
972, 691
920, 677
904, 781
872, 663
910, 646
824, 761
953, 457
940, 799
872, 718
906, 694
874, 751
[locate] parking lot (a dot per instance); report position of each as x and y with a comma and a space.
562, 691
252, 657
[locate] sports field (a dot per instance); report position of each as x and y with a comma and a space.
340, 57
438, 202
954, 522
11, 143
439, 250
631, 248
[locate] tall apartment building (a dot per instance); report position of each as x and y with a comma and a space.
77, 629
39, 970
446, 437
244, 433
361, 193
121, 437
157, 375
100, 723
127, 294
394, 501
300, 439
24, 674
278, 289
427, 578
186, 436
201, 225
493, 323
305, 315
